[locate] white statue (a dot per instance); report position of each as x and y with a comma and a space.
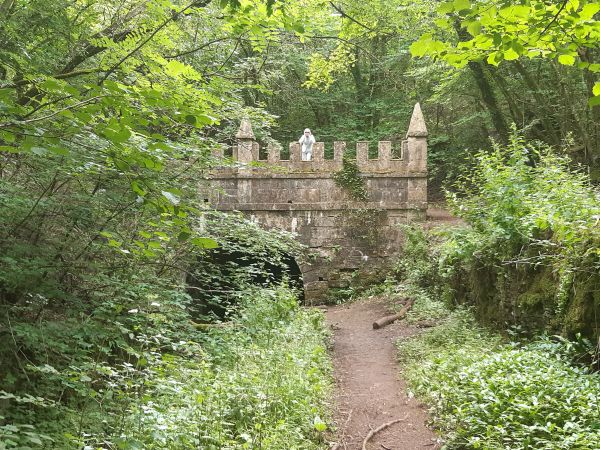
307, 140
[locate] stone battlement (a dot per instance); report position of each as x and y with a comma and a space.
412, 162
303, 197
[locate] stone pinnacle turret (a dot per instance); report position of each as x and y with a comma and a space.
417, 127
245, 131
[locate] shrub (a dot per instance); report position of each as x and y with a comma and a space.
489, 395
260, 381
532, 249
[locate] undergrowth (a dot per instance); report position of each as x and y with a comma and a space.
489, 395
530, 253
259, 381
487, 391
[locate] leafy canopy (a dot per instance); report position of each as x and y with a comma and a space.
506, 31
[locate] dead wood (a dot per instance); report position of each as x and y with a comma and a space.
392, 318
378, 429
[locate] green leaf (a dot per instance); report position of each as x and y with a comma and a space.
510, 55
51, 84
588, 11
421, 47
596, 89
183, 236
7, 136
521, 11
39, 151
205, 120
59, 150
513, 12
116, 132
594, 101
203, 242
460, 5
8, 148
594, 67
474, 28
154, 244
567, 60
135, 187
319, 424
446, 8
494, 58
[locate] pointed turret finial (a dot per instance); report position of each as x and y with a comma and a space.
245, 131
417, 127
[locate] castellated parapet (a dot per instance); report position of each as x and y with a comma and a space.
354, 239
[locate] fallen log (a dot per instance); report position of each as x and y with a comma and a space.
392, 318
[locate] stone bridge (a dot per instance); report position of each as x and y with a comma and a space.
351, 239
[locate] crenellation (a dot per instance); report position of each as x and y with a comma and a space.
303, 197
362, 153
295, 152
384, 151
273, 154
339, 147
318, 153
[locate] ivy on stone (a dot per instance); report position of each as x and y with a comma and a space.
350, 180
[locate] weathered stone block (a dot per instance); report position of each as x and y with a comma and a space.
302, 197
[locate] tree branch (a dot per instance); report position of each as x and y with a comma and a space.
555, 18
352, 19
58, 76
174, 16
38, 119
197, 49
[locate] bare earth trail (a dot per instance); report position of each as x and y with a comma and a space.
369, 391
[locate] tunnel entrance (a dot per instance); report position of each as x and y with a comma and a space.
217, 280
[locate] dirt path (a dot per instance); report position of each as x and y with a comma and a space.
369, 391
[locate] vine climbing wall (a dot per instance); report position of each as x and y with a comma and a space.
347, 210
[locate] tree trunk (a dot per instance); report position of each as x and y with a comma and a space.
485, 88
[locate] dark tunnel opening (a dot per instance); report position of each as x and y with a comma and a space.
215, 283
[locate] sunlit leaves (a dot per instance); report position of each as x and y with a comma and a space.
566, 59
508, 31
322, 70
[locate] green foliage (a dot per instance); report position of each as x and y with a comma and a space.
484, 393
349, 179
247, 255
487, 395
528, 211
504, 31
262, 380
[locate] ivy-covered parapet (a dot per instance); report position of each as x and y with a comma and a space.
319, 200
